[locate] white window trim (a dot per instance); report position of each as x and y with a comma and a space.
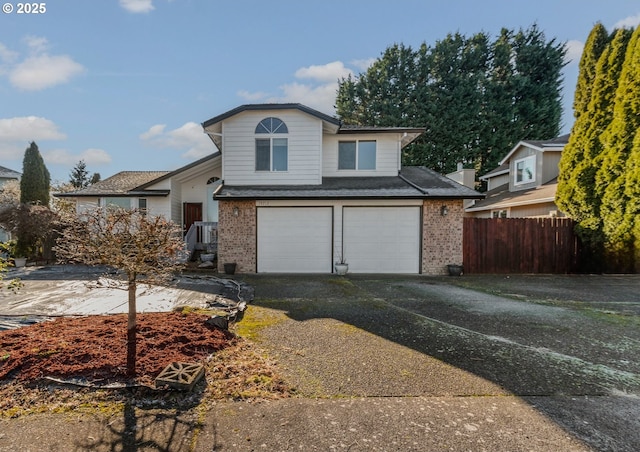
271, 138
358, 155
532, 158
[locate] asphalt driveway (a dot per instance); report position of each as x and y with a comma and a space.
568, 346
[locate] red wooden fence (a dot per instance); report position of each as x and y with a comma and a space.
520, 245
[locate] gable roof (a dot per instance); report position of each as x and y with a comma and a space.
213, 128
502, 198
270, 107
502, 169
170, 174
553, 144
6, 173
124, 183
411, 183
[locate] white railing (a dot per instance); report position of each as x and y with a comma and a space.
202, 235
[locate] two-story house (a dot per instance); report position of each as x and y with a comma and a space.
291, 189
300, 191
525, 183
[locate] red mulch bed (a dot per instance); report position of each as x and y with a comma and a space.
94, 348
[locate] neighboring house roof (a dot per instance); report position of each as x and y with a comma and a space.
502, 198
502, 169
411, 183
171, 174
6, 173
124, 183
554, 144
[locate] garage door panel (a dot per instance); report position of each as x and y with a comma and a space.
295, 239
382, 239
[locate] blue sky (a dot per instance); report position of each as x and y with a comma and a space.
125, 84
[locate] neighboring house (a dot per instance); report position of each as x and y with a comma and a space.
292, 190
6, 175
184, 196
525, 183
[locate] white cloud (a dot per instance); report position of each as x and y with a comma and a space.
317, 88
137, 6
37, 44
43, 71
321, 97
574, 51
628, 22
363, 65
188, 137
16, 134
153, 131
326, 73
6, 55
29, 128
64, 157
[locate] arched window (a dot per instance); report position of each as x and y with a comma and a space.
272, 125
272, 153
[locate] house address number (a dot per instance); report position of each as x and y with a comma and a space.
262, 203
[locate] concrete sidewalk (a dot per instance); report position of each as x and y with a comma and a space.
355, 424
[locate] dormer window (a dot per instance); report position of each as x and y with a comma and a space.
525, 170
272, 153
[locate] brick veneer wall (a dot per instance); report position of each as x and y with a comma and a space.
442, 236
237, 235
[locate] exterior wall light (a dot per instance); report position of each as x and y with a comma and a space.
444, 210
236, 211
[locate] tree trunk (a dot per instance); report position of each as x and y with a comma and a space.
131, 327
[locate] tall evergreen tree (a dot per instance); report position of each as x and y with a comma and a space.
475, 98
579, 194
596, 42
36, 181
573, 153
618, 143
79, 176
632, 193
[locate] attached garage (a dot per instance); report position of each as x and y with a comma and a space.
382, 239
294, 239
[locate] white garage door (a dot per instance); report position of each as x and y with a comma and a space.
382, 239
295, 239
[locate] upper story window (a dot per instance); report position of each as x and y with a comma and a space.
272, 153
357, 155
525, 170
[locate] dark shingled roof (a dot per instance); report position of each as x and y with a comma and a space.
411, 183
267, 107
123, 183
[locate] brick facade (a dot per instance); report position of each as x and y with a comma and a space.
441, 235
237, 235
441, 238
